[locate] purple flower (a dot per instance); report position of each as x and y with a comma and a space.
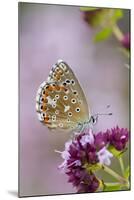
84, 154
90, 184
104, 156
101, 139
126, 41
83, 149
78, 152
119, 138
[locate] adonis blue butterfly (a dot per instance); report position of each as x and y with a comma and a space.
61, 103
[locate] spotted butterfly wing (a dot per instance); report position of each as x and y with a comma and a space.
60, 101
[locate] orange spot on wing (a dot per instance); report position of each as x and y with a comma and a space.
57, 87
45, 93
62, 87
46, 119
44, 107
50, 88
65, 89
61, 72
45, 100
58, 77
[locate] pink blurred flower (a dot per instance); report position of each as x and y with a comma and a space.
126, 41
87, 150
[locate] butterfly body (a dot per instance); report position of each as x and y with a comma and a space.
60, 101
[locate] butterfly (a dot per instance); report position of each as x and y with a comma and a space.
61, 102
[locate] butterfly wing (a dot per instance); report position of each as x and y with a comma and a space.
60, 100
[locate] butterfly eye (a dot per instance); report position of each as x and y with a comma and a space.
94, 119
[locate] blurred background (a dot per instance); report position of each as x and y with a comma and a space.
48, 33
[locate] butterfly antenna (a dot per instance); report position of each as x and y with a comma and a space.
107, 107
104, 114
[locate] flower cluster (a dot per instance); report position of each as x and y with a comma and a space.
90, 16
126, 41
86, 151
119, 138
107, 21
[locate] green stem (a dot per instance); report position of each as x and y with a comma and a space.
121, 179
121, 165
112, 184
117, 32
119, 36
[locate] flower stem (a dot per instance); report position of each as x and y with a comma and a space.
121, 179
121, 164
113, 184
119, 36
117, 32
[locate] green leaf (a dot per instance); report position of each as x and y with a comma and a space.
111, 186
118, 14
115, 152
88, 9
127, 172
103, 34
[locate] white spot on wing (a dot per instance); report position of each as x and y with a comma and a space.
37, 98
49, 78
54, 66
59, 61
39, 91
66, 108
51, 102
40, 117
42, 84
61, 125
37, 107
